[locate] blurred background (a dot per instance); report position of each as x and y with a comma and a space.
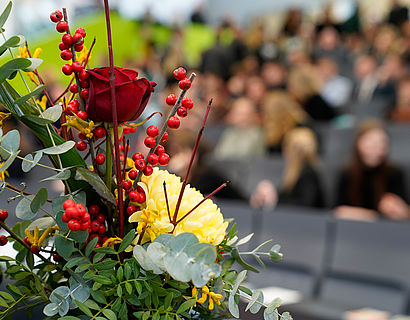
310, 122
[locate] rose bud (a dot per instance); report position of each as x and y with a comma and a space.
131, 94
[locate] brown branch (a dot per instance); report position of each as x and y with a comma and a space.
166, 200
11, 187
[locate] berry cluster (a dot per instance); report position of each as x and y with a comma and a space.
97, 227
76, 216
186, 103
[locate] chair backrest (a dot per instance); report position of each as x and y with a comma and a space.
338, 145
370, 265
400, 142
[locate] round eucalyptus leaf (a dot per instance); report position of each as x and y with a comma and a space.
23, 210
50, 310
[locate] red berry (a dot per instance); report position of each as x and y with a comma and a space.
34, 250
164, 137
82, 136
81, 31
132, 174
94, 209
26, 241
187, 103
78, 38
67, 39
72, 212
153, 159
173, 122
81, 145
67, 69
57, 257
66, 54
82, 115
100, 159
78, 47
68, 203
134, 196
62, 46
100, 218
99, 132
126, 184
148, 171
95, 225
171, 99
163, 159
104, 239
3, 240
182, 112
56, 16
3, 214
159, 150
152, 131
83, 75
150, 142
84, 93
142, 194
184, 84
131, 209
140, 164
84, 83
137, 155
84, 225
102, 229
74, 225
62, 26
73, 87
71, 109
86, 217
81, 209
92, 236
75, 103
65, 217
179, 73
76, 66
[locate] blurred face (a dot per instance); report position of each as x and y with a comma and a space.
243, 113
373, 147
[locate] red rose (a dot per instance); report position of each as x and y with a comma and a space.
131, 94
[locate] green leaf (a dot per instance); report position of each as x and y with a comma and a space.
64, 247
102, 279
75, 262
99, 297
79, 236
5, 14
23, 210
92, 305
129, 237
51, 309
128, 287
6, 258
53, 113
270, 316
109, 314
33, 93
13, 42
34, 64
3, 303
127, 271
84, 308
235, 254
244, 240
39, 200
105, 250
69, 318
168, 300
59, 149
286, 316
186, 305
9, 67
90, 246
62, 175
42, 223
233, 306
276, 303
37, 120
275, 254
96, 183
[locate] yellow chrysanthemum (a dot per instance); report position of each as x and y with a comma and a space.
4, 173
206, 222
213, 297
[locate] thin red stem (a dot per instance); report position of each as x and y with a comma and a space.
203, 200
117, 167
191, 161
166, 200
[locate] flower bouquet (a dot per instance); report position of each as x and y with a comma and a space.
126, 239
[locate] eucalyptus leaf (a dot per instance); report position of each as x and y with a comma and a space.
42, 223
256, 302
275, 254
39, 200
62, 175
79, 291
11, 142
244, 240
23, 210
13, 42
59, 149
233, 307
34, 64
50, 309
96, 182
270, 316
64, 247
9, 161
53, 113
5, 14
30, 162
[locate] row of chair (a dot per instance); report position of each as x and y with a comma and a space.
336, 265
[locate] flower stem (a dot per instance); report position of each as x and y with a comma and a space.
166, 200
184, 183
118, 174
